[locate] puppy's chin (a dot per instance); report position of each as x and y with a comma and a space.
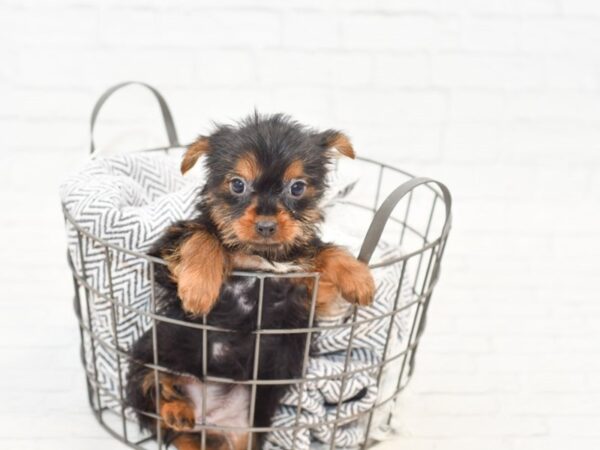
262, 246
279, 243
271, 249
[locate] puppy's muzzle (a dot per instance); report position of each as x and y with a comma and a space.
266, 228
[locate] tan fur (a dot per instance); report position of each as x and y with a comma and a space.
189, 442
194, 151
178, 415
287, 227
198, 268
175, 411
294, 170
312, 215
245, 227
342, 274
167, 383
341, 142
247, 167
241, 260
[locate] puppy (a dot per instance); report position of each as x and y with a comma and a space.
259, 211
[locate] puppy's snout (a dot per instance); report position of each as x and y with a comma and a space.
266, 228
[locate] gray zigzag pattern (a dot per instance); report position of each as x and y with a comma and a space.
126, 200
320, 397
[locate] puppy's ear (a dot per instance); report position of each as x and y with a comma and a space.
194, 151
335, 143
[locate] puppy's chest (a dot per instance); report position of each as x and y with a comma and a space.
238, 309
240, 294
243, 292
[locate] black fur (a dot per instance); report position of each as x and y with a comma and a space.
180, 347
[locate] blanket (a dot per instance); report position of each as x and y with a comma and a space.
327, 386
127, 201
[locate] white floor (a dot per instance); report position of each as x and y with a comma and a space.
509, 360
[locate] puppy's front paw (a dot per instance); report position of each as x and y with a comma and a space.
343, 273
358, 286
178, 415
199, 294
199, 269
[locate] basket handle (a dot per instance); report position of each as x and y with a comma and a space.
164, 109
387, 207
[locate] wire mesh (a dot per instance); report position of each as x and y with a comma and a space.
419, 225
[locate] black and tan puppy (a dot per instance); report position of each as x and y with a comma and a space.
259, 211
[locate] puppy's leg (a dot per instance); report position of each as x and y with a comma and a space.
197, 263
176, 410
342, 274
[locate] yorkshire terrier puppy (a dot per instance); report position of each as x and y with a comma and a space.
258, 211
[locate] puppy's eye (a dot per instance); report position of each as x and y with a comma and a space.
297, 188
237, 186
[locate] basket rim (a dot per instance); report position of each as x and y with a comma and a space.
427, 244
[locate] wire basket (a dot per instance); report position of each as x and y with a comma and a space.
389, 204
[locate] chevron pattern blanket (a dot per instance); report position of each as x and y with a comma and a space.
327, 386
127, 201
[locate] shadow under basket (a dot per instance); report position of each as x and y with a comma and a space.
406, 222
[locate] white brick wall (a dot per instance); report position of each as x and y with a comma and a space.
500, 99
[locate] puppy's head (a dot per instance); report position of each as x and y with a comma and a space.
265, 177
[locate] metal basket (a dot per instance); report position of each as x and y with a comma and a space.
415, 214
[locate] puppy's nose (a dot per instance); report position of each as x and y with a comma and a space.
266, 228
